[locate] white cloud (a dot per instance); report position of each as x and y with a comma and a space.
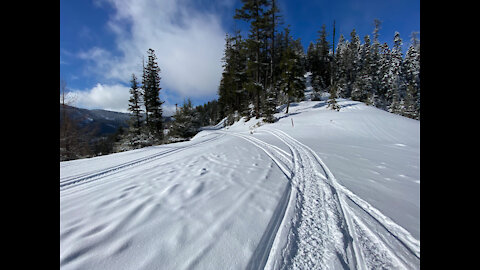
108, 97
188, 45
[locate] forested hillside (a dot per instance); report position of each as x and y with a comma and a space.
266, 68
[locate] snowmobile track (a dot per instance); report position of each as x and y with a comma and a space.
69, 182
399, 251
317, 224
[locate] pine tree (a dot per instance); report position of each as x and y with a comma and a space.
186, 121
311, 56
270, 106
362, 87
134, 106
332, 101
253, 11
226, 82
384, 76
151, 91
341, 67
412, 77
396, 81
233, 96
374, 70
352, 62
292, 81
272, 20
322, 70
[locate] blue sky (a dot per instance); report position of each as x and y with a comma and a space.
102, 42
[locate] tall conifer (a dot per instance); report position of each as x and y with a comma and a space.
151, 88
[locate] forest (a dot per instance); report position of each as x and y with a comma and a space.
267, 68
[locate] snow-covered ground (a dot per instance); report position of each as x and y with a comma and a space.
319, 189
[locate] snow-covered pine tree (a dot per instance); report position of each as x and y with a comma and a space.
352, 61
300, 70
384, 76
332, 101
363, 81
412, 77
186, 123
375, 65
396, 82
270, 106
340, 76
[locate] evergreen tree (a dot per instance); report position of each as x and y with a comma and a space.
151, 91
396, 81
332, 101
362, 87
270, 106
134, 106
272, 20
135, 136
412, 77
253, 11
232, 94
292, 81
226, 83
352, 62
311, 56
374, 69
186, 123
208, 113
341, 67
384, 76
321, 62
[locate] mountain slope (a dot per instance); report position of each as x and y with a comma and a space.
317, 189
105, 122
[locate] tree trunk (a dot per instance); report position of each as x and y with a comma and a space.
288, 103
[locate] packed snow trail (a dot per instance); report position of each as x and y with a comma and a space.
326, 229
83, 178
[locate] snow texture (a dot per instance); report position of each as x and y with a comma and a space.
318, 189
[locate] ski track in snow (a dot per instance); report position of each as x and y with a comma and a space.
77, 180
320, 224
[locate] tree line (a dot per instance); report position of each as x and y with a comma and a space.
266, 69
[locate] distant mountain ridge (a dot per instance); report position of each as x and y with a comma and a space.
103, 121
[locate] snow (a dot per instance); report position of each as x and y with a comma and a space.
319, 189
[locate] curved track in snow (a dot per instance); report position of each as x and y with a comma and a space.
76, 180
320, 224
